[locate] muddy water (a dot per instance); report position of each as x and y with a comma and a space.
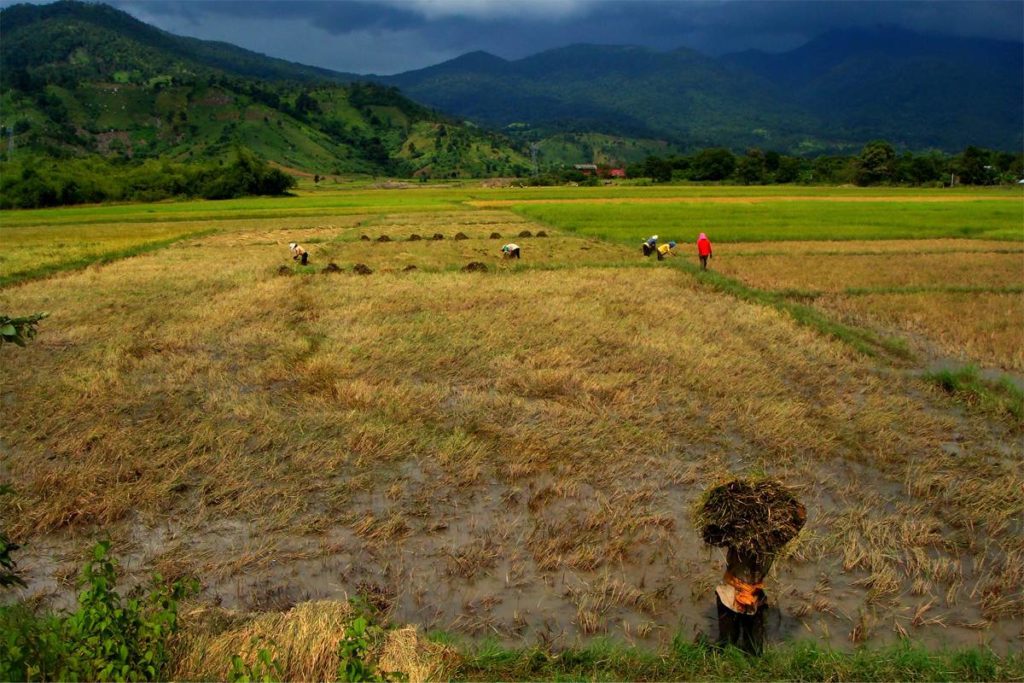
466, 562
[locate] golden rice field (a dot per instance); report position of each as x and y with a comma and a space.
516, 453
983, 327
838, 273
958, 298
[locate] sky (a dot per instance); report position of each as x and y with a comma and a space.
391, 36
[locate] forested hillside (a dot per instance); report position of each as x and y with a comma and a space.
77, 79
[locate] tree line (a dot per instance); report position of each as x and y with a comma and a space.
877, 164
35, 182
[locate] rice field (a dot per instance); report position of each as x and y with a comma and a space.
516, 453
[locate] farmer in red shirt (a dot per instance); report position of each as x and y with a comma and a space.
703, 250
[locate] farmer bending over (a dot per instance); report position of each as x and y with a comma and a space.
666, 250
510, 251
703, 250
649, 245
298, 253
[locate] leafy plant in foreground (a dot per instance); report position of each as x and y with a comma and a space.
352, 651
18, 330
107, 637
265, 669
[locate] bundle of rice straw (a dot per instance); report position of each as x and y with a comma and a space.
754, 517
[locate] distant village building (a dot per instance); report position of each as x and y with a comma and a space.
602, 171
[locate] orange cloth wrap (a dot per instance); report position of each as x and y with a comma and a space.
748, 595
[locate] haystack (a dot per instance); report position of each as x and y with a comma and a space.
754, 517
304, 641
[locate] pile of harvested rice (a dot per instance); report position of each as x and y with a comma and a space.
755, 517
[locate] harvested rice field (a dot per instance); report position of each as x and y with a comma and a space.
517, 453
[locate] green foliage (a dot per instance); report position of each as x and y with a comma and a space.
185, 99
31, 182
715, 163
353, 650
17, 331
266, 669
107, 637
876, 164
751, 168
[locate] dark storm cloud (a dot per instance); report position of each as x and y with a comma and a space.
388, 36
334, 17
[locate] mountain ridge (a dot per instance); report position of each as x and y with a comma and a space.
83, 63
836, 92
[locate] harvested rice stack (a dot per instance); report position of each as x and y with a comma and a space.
754, 517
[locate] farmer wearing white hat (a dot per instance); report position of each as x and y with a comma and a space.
650, 245
298, 253
510, 251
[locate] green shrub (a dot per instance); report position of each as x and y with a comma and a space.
107, 637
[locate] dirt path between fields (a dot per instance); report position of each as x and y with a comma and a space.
492, 203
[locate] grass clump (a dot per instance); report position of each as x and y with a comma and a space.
605, 660
967, 385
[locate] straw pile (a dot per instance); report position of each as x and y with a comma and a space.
304, 641
753, 517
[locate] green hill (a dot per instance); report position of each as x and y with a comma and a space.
80, 78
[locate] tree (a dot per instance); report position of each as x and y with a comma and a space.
919, 169
750, 168
788, 170
973, 167
715, 163
876, 164
657, 169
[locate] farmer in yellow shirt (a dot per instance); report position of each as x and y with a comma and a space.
298, 253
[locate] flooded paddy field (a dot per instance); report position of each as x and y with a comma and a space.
514, 453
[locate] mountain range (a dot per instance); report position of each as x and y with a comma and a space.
81, 77
836, 92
